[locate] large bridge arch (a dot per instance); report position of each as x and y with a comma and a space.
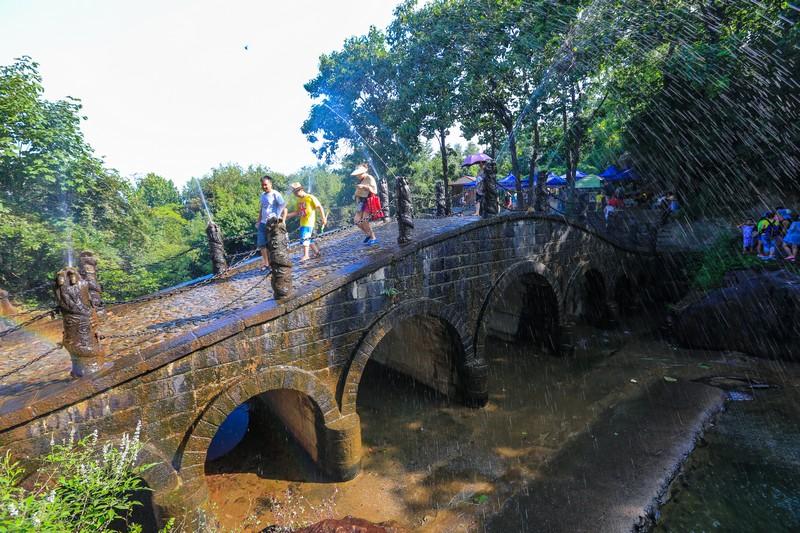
516, 274
394, 317
333, 441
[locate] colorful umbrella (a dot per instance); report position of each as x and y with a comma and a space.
475, 158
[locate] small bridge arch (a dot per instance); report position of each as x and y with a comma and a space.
515, 289
418, 308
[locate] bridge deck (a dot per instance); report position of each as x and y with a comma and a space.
145, 324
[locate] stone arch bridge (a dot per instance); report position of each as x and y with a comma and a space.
424, 309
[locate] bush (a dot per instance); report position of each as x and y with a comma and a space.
81, 487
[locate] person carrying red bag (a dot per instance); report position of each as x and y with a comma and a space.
368, 204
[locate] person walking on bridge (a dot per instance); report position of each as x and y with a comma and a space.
307, 207
273, 206
368, 205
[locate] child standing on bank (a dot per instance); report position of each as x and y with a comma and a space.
747, 227
307, 207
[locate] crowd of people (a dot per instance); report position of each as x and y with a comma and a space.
775, 235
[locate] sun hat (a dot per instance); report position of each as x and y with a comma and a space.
295, 186
360, 169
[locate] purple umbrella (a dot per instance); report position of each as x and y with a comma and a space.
475, 158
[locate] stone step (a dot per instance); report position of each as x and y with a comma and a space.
610, 477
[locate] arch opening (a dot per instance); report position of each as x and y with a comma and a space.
424, 348
264, 447
594, 300
526, 311
143, 512
624, 296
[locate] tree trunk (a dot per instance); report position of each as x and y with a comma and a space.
445, 170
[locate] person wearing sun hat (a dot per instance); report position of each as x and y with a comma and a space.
365, 197
307, 207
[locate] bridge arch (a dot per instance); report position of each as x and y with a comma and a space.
588, 293
453, 321
332, 441
516, 276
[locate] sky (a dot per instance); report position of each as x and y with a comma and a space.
168, 87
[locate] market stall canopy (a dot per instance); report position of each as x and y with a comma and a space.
610, 172
463, 181
510, 183
590, 181
628, 174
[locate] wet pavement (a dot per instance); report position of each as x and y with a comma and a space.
32, 358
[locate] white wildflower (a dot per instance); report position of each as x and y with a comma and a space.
51, 497
12, 509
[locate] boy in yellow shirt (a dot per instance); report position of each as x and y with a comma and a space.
307, 207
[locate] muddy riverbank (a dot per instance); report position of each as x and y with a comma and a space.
433, 465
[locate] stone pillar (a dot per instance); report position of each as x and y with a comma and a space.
216, 248
405, 221
280, 261
383, 193
6, 307
87, 268
475, 384
489, 201
340, 453
80, 323
441, 208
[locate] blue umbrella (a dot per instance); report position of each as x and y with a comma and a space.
628, 174
610, 172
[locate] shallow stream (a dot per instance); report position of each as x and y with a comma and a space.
431, 464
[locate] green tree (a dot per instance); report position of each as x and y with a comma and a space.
422, 42
156, 191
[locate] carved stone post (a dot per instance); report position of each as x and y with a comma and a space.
405, 220
6, 307
441, 208
489, 201
538, 193
80, 322
280, 261
216, 248
87, 268
383, 194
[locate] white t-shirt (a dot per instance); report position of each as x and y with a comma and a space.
272, 205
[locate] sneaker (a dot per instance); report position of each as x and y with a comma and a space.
370, 242
366, 239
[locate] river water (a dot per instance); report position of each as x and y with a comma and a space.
430, 464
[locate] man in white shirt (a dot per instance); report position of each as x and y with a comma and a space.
272, 206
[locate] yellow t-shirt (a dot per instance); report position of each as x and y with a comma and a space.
307, 205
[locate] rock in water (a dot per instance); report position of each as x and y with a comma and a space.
349, 524
757, 313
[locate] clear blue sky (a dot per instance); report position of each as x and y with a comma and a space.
168, 86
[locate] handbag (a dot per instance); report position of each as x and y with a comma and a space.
374, 207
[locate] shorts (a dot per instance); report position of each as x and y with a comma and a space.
261, 236
305, 235
747, 242
362, 204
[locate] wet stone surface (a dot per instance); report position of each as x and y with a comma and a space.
32, 358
